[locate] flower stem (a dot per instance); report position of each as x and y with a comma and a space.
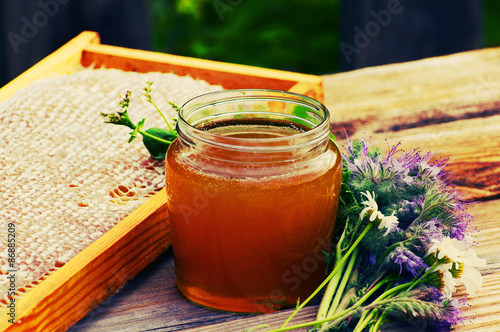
332, 285
363, 321
330, 276
163, 116
328, 295
379, 321
340, 290
302, 325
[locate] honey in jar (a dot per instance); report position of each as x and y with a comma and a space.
252, 187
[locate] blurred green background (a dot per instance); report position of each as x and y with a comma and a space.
296, 35
492, 22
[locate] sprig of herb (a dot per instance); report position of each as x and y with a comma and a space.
156, 140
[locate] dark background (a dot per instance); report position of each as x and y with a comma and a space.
309, 36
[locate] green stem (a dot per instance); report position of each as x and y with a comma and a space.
430, 270
258, 327
343, 284
328, 295
330, 276
371, 291
379, 321
386, 295
332, 285
363, 320
163, 116
339, 316
358, 303
351, 294
408, 285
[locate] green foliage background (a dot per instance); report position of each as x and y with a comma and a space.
296, 35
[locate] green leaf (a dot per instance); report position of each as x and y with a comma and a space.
157, 149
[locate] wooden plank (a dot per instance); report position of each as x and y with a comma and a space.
97, 272
229, 76
473, 147
449, 105
150, 302
62, 61
415, 94
483, 310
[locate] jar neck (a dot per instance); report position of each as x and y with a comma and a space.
254, 126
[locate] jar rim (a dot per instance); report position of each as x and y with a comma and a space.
315, 109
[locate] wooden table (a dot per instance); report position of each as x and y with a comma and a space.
449, 105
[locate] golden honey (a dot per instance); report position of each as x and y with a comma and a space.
252, 202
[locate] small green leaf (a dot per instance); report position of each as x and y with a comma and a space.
157, 149
133, 134
140, 124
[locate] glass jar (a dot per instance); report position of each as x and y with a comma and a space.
252, 186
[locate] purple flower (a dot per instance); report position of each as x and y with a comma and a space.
406, 259
425, 233
451, 314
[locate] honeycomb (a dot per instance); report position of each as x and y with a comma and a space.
67, 177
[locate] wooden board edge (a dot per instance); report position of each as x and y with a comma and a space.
228, 75
313, 90
63, 59
97, 272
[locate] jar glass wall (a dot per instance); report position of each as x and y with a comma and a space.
252, 187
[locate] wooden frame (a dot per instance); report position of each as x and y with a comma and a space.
101, 269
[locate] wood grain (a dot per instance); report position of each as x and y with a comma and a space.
449, 105
415, 94
229, 76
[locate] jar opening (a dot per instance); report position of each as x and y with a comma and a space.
239, 119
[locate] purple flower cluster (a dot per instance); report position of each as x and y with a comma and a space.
416, 189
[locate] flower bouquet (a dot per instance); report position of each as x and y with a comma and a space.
404, 245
